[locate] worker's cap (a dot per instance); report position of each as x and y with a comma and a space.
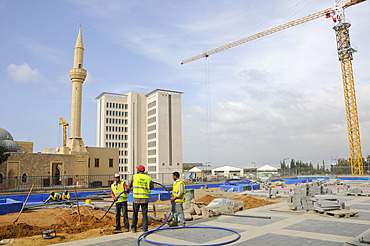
141, 168
51, 192
66, 191
116, 175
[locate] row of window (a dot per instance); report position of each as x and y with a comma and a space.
97, 162
115, 121
122, 161
117, 105
115, 145
123, 169
116, 113
115, 137
123, 152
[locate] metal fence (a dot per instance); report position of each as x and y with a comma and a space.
24, 183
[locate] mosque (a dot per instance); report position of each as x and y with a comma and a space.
70, 164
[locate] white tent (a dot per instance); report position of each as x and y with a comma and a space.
228, 171
195, 170
267, 169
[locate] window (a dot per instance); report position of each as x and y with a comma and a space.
79, 66
152, 160
125, 122
106, 128
125, 137
110, 113
106, 136
110, 162
152, 168
126, 106
107, 112
152, 128
113, 105
106, 145
96, 162
110, 105
151, 136
107, 105
151, 120
116, 105
125, 145
151, 112
151, 152
152, 104
151, 144
88, 162
125, 169
24, 178
125, 161
107, 120
125, 129
126, 114
125, 152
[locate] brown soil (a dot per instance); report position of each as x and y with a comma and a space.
251, 202
207, 199
68, 227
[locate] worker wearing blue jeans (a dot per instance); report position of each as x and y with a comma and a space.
178, 198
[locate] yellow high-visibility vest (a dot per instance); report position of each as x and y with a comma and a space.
64, 196
119, 189
175, 191
141, 185
56, 197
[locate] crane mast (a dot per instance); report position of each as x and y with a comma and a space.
345, 55
64, 124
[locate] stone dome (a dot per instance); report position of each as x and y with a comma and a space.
5, 135
10, 145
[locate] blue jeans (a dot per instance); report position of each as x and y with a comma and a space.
178, 214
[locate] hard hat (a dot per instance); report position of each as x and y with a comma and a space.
141, 168
66, 191
51, 192
116, 175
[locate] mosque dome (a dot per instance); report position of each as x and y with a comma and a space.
5, 135
10, 145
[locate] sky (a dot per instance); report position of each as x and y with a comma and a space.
277, 97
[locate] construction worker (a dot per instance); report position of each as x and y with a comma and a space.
66, 196
55, 197
178, 198
121, 202
141, 184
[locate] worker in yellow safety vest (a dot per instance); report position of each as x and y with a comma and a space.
141, 184
66, 196
178, 198
55, 197
117, 187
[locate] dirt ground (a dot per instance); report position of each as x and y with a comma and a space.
27, 231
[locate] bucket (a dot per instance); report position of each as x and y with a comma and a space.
87, 201
189, 195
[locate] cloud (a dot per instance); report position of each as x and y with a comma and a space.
24, 73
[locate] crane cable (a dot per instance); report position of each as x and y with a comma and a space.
209, 118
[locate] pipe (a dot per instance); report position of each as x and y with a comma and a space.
145, 234
87, 210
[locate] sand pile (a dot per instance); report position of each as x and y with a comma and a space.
251, 202
207, 199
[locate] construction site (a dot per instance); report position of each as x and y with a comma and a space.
71, 195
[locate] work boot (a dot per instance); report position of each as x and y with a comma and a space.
126, 230
173, 225
133, 230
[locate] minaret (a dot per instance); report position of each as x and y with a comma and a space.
77, 75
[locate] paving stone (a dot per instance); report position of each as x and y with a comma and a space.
283, 240
363, 216
249, 221
360, 206
339, 228
367, 201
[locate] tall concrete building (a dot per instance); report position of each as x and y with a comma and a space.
146, 128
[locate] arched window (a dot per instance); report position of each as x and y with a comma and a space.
24, 178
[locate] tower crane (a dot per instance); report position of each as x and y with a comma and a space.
64, 124
345, 55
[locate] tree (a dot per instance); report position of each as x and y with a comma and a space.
3, 154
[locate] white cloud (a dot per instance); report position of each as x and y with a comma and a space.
24, 73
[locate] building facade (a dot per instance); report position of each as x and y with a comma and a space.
146, 128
